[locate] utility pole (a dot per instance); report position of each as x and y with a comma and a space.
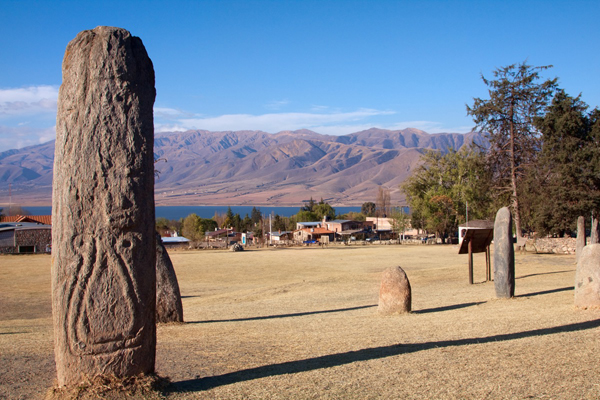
271, 228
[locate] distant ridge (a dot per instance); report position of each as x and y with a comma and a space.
255, 167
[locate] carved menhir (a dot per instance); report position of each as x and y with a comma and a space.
395, 292
103, 241
168, 297
580, 242
504, 255
587, 278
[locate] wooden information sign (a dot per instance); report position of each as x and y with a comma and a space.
477, 240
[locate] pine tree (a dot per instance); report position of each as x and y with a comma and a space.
517, 98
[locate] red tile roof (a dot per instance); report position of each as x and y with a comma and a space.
321, 231
42, 219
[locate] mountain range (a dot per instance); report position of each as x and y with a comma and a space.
254, 167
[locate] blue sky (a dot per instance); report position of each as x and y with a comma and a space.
335, 67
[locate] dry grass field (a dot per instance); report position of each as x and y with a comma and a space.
302, 323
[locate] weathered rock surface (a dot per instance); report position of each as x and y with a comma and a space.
394, 293
587, 278
168, 296
594, 234
103, 240
504, 255
580, 237
236, 247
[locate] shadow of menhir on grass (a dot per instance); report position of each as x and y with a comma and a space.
447, 308
563, 289
334, 360
300, 314
544, 273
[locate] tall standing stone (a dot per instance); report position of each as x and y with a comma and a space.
395, 296
504, 255
587, 278
103, 241
168, 296
594, 234
580, 241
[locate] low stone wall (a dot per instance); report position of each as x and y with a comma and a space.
551, 245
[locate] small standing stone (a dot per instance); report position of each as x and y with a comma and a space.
504, 255
580, 237
395, 292
103, 240
168, 296
587, 278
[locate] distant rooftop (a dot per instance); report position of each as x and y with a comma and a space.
42, 219
176, 239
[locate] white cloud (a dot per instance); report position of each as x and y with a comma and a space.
23, 136
273, 122
277, 104
28, 100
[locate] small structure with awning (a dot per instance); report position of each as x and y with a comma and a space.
475, 237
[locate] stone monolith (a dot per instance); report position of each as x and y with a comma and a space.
103, 240
594, 234
504, 255
168, 296
587, 278
394, 292
580, 241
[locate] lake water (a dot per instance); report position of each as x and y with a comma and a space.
177, 212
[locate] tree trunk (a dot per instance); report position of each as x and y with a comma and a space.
513, 176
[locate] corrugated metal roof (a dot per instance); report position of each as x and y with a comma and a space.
176, 239
8, 226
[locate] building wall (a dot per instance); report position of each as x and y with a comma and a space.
7, 238
38, 238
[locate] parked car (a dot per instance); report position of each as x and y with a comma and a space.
372, 239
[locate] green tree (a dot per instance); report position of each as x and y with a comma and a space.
162, 225
569, 173
280, 223
323, 209
306, 216
205, 225
516, 99
237, 222
255, 215
309, 205
229, 218
189, 229
368, 209
439, 190
247, 224
355, 216
400, 220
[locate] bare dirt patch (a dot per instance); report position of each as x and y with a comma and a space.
302, 323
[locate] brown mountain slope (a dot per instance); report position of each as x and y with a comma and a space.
254, 167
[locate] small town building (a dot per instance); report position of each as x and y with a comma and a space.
311, 224
175, 241
318, 234
282, 236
